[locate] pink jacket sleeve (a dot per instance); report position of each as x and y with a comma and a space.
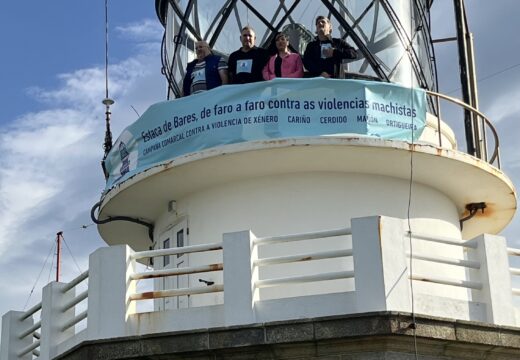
268, 71
296, 66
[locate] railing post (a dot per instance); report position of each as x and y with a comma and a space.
238, 277
494, 274
109, 287
12, 327
380, 264
53, 318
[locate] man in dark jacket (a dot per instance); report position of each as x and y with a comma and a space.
206, 72
323, 56
246, 64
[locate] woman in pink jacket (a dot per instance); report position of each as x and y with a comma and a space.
284, 63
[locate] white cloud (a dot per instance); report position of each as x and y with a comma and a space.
147, 30
50, 173
505, 106
85, 88
43, 151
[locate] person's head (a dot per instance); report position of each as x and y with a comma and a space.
323, 26
281, 42
247, 38
202, 49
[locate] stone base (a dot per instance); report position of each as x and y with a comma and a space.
373, 336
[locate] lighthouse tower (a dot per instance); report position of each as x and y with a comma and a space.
304, 218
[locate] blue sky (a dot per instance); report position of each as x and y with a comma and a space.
52, 124
52, 119
47, 38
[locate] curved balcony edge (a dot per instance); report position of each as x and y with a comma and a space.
461, 177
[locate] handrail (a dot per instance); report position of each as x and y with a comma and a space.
32, 329
75, 281
74, 301
75, 320
445, 260
176, 271
31, 311
512, 270
29, 348
304, 278
447, 281
513, 251
444, 240
302, 236
176, 250
496, 150
303, 257
176, 292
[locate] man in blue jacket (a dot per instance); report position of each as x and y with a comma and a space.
323, 56
206, 72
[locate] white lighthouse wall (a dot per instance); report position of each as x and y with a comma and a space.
306, 202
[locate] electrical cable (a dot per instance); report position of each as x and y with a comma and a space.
150, 226
490, 76
40, 274
50, 268
81, 227
71, 255
410, 188
133, 108
304, 11
408, 216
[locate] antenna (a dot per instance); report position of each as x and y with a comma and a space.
59, 235
468, 80
107, 101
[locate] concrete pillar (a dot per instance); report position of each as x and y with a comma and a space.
12, 327
495, 276
238, 278
109, 288
380, 264
53, 318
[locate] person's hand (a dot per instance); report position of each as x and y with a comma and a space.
325, 75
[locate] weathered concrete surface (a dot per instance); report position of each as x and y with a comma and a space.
374, 336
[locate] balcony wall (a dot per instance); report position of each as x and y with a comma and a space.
386, 269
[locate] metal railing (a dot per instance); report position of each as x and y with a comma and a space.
514, 271
249, 247
176, 272
481, 121
75, 301
468, 264
302, 236
444, 240
32, 331
304, 257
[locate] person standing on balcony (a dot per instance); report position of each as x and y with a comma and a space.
284, 63
246, 64
323, 56
206, 72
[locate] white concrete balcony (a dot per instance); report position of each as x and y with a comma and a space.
372, 265
347, 173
